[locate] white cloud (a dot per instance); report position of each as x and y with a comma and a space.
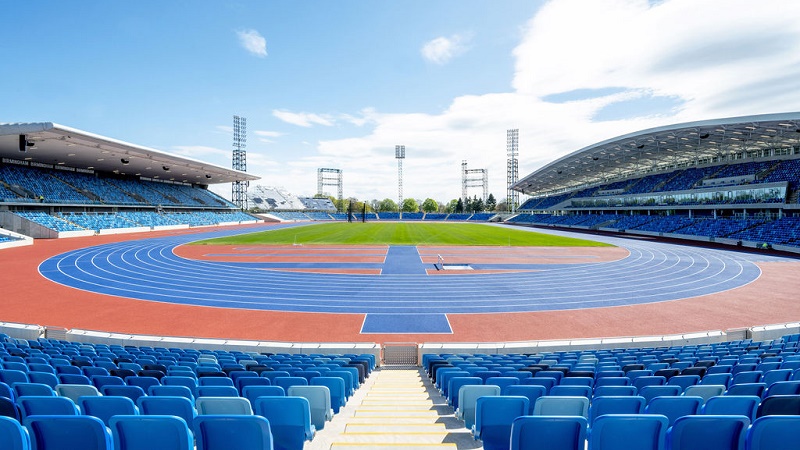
201, 151
268, 134
302, 119
442, 49
716, 58
253, 42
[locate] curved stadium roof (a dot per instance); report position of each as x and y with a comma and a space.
54, 144
662, 148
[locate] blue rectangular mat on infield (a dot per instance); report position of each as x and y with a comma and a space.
406, 323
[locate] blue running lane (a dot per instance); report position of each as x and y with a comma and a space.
147, 269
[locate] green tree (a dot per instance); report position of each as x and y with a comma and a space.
460, 206
477, 205
410, 205
452, 205
430, 205
491, 202
387, 205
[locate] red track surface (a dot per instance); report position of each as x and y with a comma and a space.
29, 298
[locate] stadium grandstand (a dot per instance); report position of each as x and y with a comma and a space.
57, 181
731, 181
110, 341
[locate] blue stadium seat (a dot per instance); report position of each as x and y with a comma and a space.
773, 433
336, 389
106, 406
493, 418
132, 392
742, 405
531, 392
548, 432
561, 406
8, 408
628, 432
38, 389
455, 385
50, 432
707, 432
221, 432
615, 405
32, 405
167, 406
171, 390
250, 381
216, 391
650, 392
467, 401
134, 432
253, 392
779, 405
287, 382
13, 436
319, 400
289, 419
674, 407
223, 405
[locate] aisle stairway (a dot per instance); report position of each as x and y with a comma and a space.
397, 408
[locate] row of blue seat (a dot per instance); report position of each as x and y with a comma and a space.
133, 432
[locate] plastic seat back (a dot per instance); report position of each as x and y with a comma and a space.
52, 406
455, 386
494, 416
13, 436
37, 389
704, 391
783, 388
548, 432
547, 382
217, 391
651, 392
615, 405
779, 405
106, 406
43, 378
607, 390
756, 389
629, 432
134, 432
223, 405
224, 432
773, 433
172, 390
253, 392
467, 400
132, 392
287, 382
319, 400
674, 407
722, 379
289, 419
561, 406
336, 388
8, 408
708, 432
571, 391
684, 381
74, 391
167, 406
529, 391
68, 433
739, 405
142, 382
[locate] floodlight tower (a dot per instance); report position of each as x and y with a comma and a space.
474, 178
329, 177
400, 155
239, 188
512, 149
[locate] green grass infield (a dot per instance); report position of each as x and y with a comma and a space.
403, 233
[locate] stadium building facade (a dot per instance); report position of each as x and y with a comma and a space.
732, 181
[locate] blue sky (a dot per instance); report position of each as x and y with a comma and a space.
339, 83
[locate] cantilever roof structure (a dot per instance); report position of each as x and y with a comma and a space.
662, 148
57, 145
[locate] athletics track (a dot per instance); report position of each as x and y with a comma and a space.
310, 293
